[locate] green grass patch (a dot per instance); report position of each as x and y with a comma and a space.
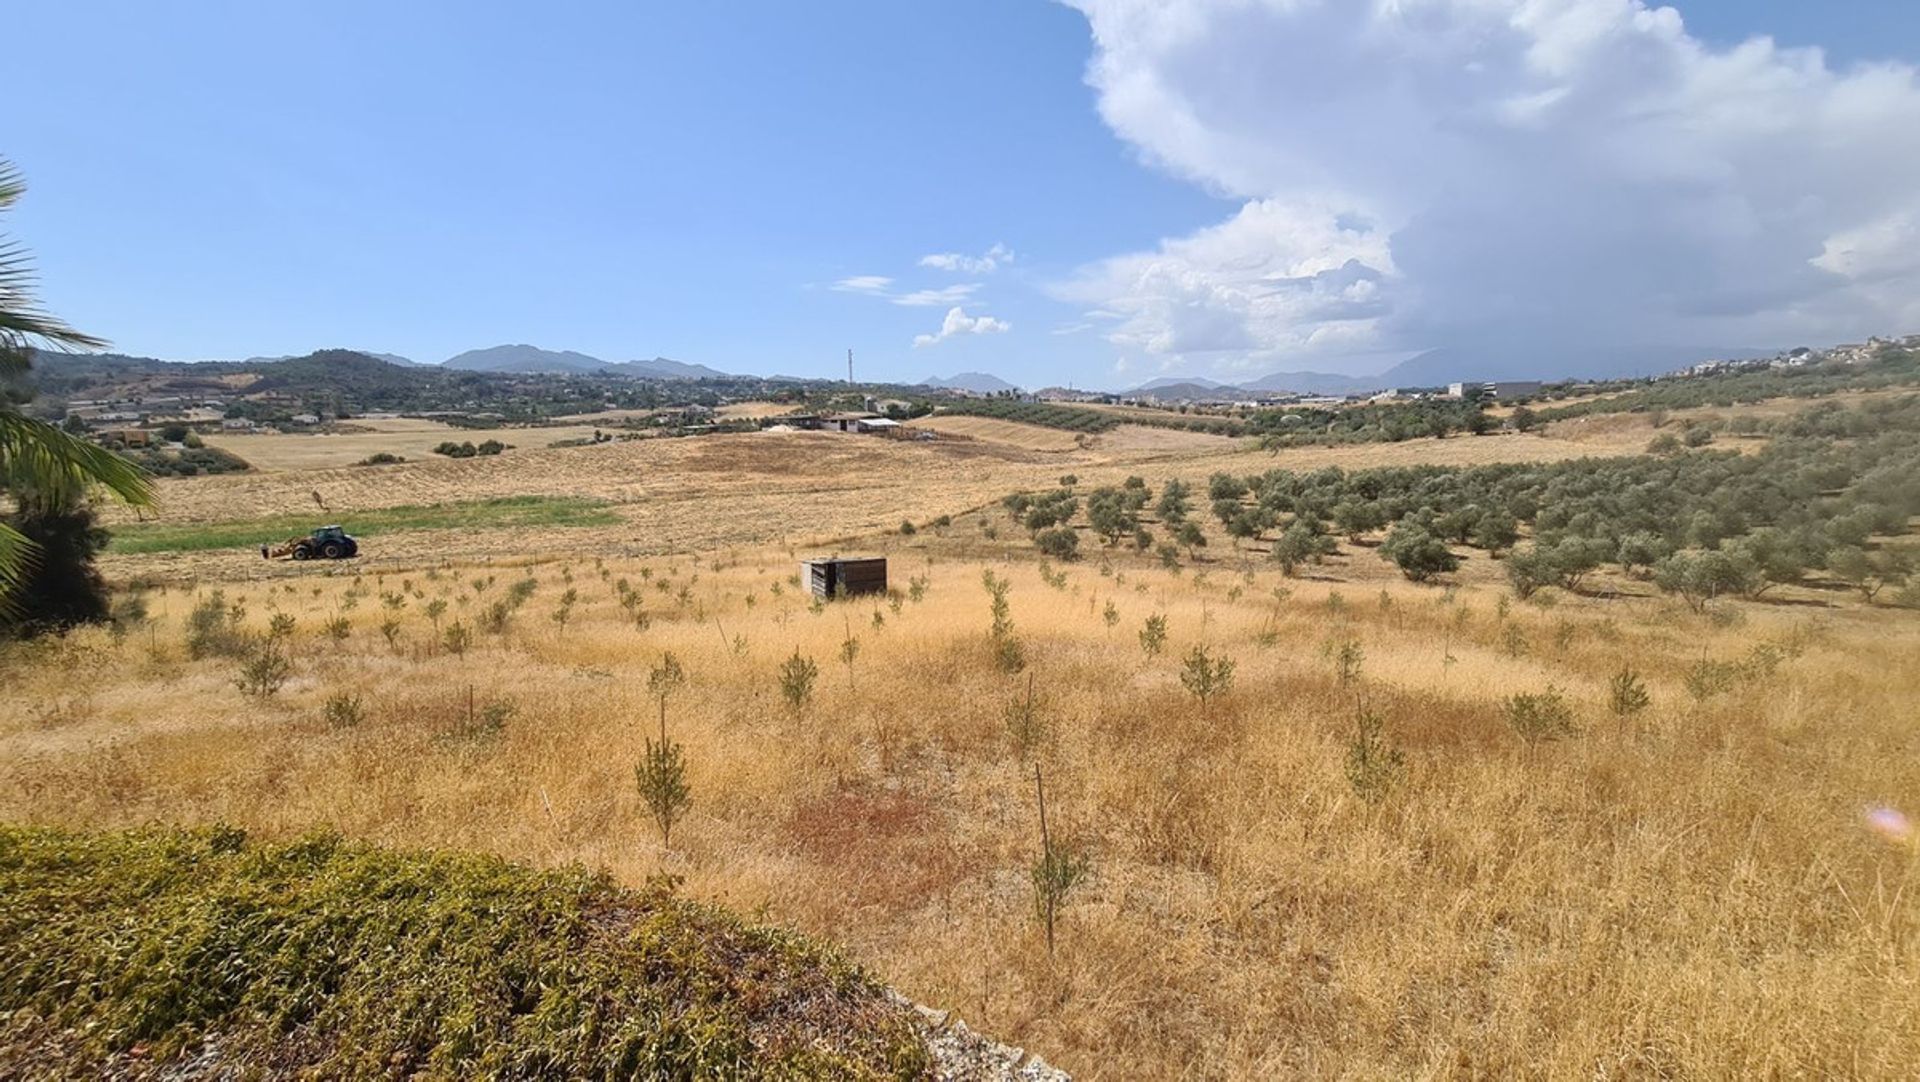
324, 958
507, 511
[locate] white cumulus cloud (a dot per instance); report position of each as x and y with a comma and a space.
871, 284
958, 322
934, 298
1521, 179
985, 263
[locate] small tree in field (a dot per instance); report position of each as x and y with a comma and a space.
1374, 765
1153, 636
1058, 871
1627, 694
1418, 553
661, 778
263, 673
662, 681
1026, 725
563, 612
1206, 677
849, 650
796, 681
1346, 656
1870, 572
1007, 652
1541, 717
1061, 542
1191, 537
456, 638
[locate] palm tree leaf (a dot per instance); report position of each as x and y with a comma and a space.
23, 324
38, 461
17, 554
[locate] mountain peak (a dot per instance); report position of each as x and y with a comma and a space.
975, 382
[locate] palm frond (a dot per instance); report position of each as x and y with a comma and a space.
11, 183
39, 461
17, 554
23, 323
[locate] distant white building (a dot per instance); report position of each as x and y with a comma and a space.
1499, 391
240, 424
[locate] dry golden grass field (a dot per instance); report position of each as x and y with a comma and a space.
409, 437
1030, 437
1692, 891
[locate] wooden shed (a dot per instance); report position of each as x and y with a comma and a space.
844, 576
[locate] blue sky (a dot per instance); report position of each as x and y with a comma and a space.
727, 183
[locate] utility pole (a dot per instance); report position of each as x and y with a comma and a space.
849, 368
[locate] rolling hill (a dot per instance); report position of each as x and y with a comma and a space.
975, 382
524, 359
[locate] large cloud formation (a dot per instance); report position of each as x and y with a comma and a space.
1515, 179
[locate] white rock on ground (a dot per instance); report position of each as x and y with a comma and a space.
962, 1055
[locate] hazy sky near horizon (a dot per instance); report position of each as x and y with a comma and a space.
1096, 192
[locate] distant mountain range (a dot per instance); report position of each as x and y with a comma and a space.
974, 382
1434, 368
1311, 383
529, 360
1439, 367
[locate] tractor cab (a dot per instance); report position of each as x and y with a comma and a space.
327, 542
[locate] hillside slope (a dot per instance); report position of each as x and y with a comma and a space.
129, 954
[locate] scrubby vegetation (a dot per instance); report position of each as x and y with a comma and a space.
336, 959
185, 461
1700, 524
1894, 368
1294, 426
468, 449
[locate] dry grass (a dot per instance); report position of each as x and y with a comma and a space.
409, 437
736, 410
1690, 893
1012, 433
699, 494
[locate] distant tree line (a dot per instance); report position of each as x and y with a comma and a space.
1291, 426
468, 449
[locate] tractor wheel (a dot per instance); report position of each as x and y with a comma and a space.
302, 552
332, 550
353, 549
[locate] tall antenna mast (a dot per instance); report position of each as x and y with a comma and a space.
849, 368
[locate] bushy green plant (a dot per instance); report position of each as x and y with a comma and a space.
1061, 543
342, 711
1153, 635
797, 676
1417, 553
1206, 677
1374, 764
1627, 694
265, 670
1540, 716
661, 778
213, 628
